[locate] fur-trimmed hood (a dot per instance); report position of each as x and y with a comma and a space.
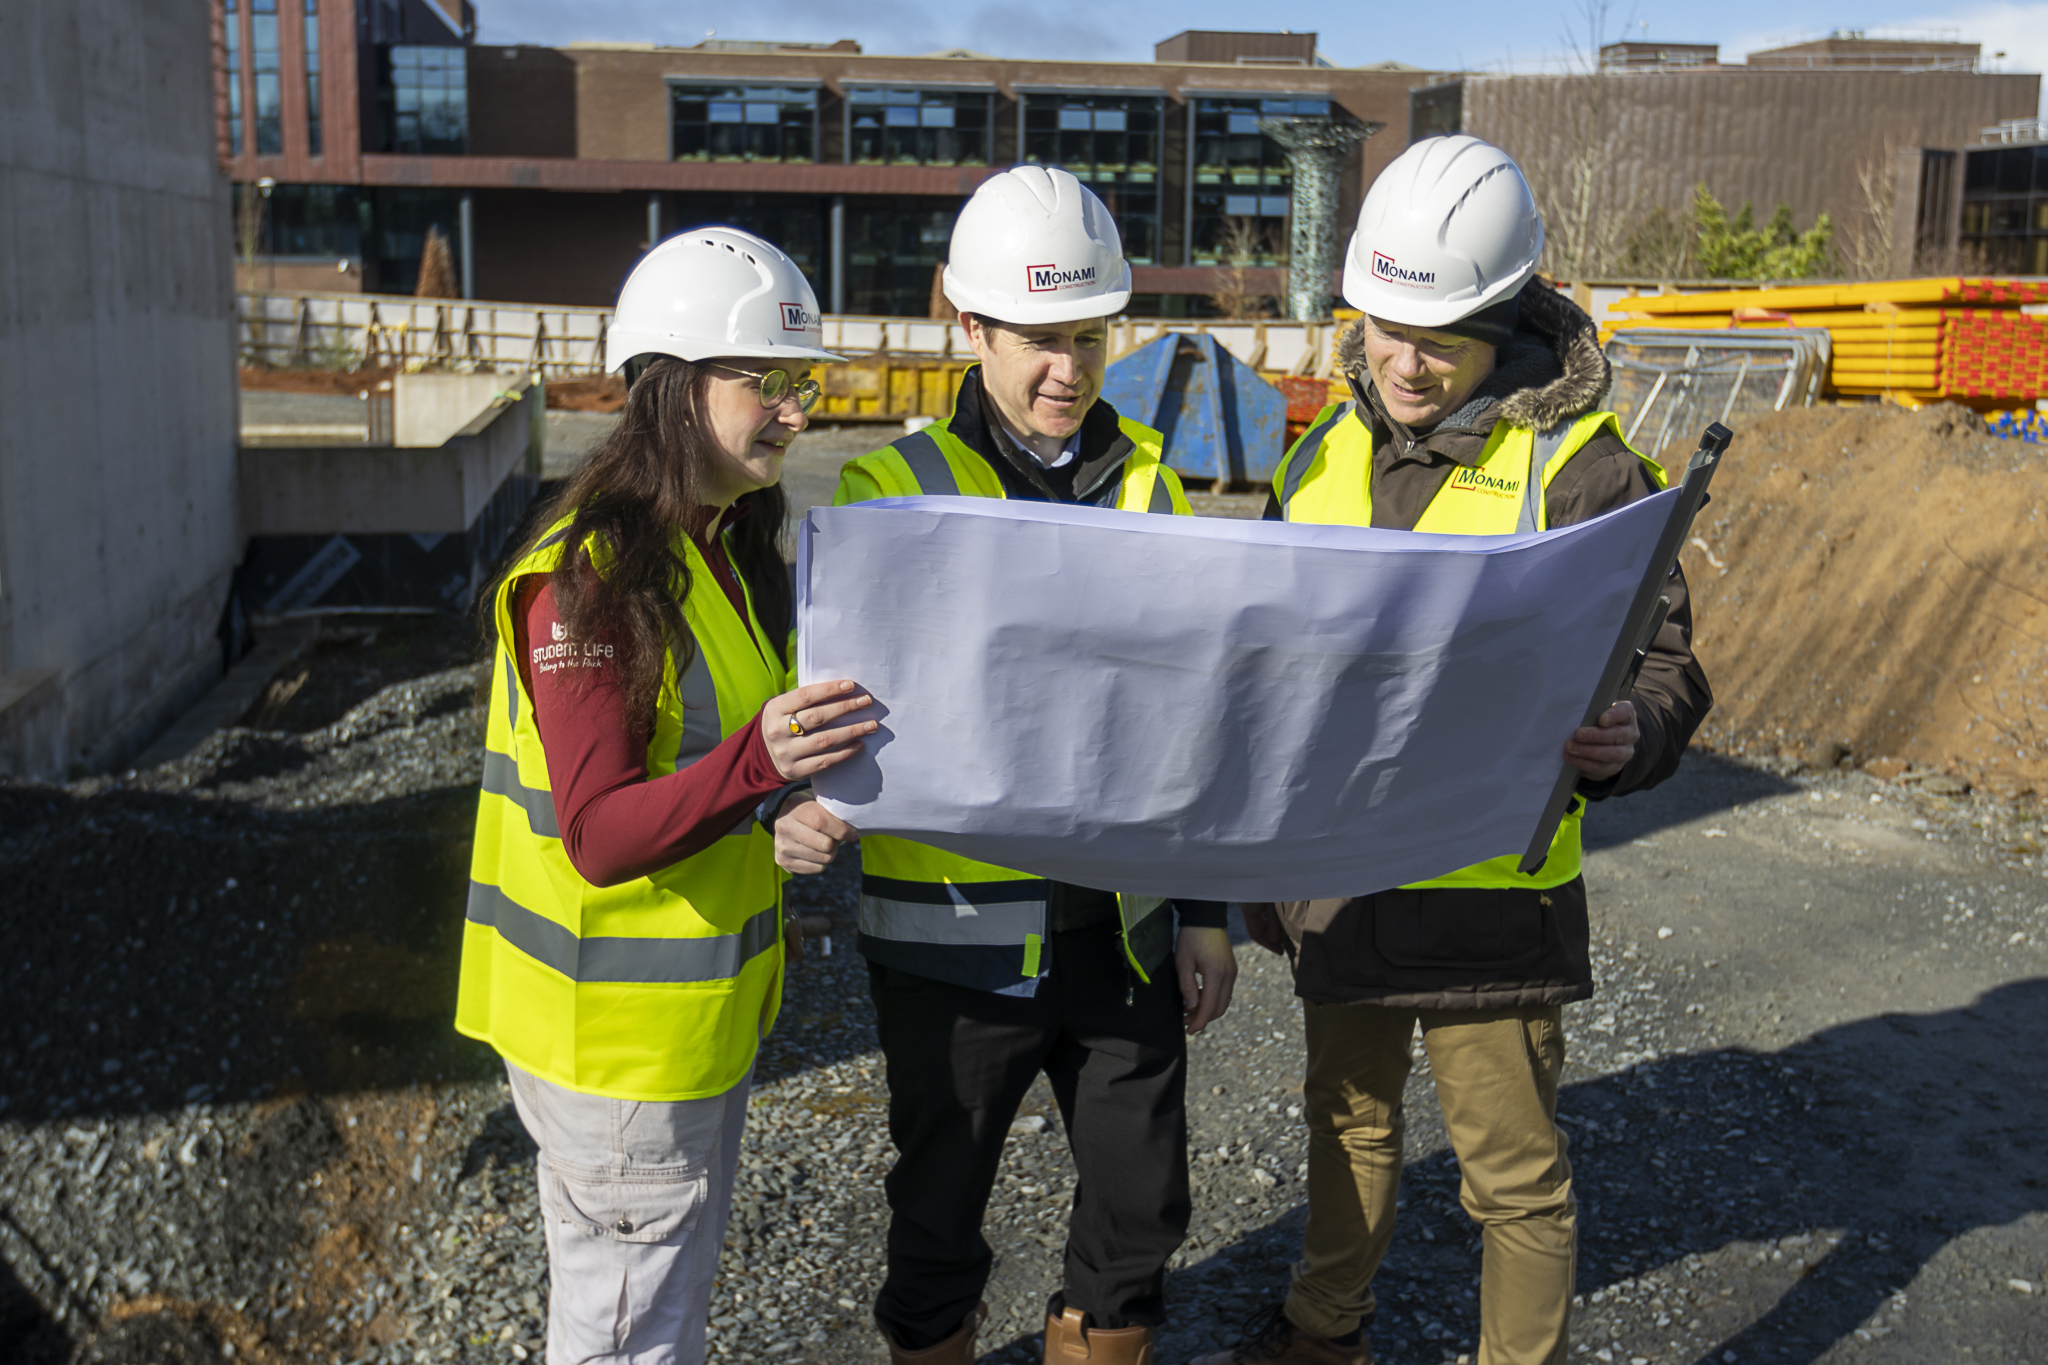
1552, 371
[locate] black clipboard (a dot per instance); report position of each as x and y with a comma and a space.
1645, 618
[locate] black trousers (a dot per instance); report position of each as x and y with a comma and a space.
960, 1062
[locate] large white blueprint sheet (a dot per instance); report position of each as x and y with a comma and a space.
1185, 706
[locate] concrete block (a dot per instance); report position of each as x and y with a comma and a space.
299, 490
429, 408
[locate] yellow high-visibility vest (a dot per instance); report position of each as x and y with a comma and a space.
660, 988
933, 913
1326, 479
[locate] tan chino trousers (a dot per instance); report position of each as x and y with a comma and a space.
1496, 1077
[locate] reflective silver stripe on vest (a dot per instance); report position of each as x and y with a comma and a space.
1547, 444
501, 778
1305, 453
511, 695
1004, 924
927, 464
700, 710
1162, 496
624, 961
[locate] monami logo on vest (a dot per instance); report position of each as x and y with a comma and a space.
1471, 480
797, 318
1044, 279
1383, 268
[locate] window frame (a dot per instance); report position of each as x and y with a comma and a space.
986, 90
1270, 175
814, 88
1124, 179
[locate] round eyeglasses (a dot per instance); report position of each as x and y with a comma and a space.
775, 387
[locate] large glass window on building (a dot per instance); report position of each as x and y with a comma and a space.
425, 99
795, 222
269, 89
312, 27
896, 127
744, 122
232, 36
893, 252
315, 220
1112, 144
2005, 210
393, 235
1241, 190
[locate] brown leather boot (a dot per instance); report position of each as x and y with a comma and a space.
1069, 1340
957, 1349
1271, 1338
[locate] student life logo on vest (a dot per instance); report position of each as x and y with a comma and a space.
1476, 479
1047, 279
797, 318
1384, 268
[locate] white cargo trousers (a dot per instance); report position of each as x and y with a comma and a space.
634, 1198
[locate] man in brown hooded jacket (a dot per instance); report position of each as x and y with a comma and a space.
1482, 959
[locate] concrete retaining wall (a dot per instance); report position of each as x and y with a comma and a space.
398, 489
364, 525
118, 515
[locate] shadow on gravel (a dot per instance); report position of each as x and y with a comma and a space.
1705, 785
1827, 1174
165, 950
27, 1331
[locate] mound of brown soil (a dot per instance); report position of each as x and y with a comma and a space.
592, 393
314, 381
1875, 579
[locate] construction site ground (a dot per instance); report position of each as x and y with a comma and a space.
1805, 1106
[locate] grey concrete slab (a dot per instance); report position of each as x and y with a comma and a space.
571, 436
261, 407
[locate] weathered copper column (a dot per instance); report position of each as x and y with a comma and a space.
1316, 150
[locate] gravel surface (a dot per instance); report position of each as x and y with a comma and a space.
1805, 1108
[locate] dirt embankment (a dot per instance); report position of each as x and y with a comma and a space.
315, 381
589, 393
1875, 579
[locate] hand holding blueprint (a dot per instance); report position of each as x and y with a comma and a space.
1185, 706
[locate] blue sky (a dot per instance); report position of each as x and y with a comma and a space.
1474, 35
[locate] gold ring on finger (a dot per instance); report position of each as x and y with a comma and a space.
796, 727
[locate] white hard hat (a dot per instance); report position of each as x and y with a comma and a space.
716, 291
1448, 229
1035, 245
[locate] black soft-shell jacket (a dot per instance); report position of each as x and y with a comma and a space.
1465, 948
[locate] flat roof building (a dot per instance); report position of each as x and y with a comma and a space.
556, 167
551, 169
1850, 50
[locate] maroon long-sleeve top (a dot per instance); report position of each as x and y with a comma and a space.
616, 822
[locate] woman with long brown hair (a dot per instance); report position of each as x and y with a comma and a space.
624, 946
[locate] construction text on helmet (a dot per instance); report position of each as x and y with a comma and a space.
1448, 229
716, 291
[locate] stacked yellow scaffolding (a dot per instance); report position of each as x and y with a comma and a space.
1981, 341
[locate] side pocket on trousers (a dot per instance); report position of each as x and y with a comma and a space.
647, 1207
